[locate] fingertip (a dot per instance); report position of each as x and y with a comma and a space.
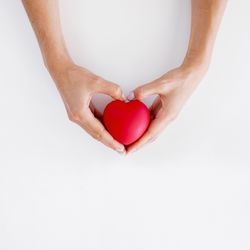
121, 97
114, 91
121, 150
132, 150
131, 96
118, 146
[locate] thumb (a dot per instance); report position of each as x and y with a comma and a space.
111, 89
144, 91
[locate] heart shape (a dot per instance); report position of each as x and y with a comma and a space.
126, 121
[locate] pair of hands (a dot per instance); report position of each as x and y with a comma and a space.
77, 86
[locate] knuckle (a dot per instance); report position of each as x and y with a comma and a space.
117, 90
98, 135
73, 117
76, 117
112, 144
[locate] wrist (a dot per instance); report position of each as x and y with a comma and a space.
56, 64
196, 61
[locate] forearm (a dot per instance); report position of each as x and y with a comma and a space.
206, 18
45, 20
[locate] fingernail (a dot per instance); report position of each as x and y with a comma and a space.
120, 150
131, 96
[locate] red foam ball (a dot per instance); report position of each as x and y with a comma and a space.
126, 121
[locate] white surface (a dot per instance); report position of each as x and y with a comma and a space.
59, 189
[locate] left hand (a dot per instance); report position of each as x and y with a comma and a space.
173, 90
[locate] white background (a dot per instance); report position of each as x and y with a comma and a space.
60, 189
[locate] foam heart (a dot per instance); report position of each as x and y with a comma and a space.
126, 121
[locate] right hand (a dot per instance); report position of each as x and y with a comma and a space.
77, 86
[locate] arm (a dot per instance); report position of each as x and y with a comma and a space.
76, 85
176, 86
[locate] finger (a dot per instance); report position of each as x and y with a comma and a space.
110, 89
155, 103
155, 107
95, 111
155, 128
95, 128
145, 90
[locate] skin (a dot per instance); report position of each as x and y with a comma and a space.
77, 85
176, 86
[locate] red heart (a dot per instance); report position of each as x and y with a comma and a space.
126, 121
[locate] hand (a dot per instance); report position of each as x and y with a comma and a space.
173, 90
77, 86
